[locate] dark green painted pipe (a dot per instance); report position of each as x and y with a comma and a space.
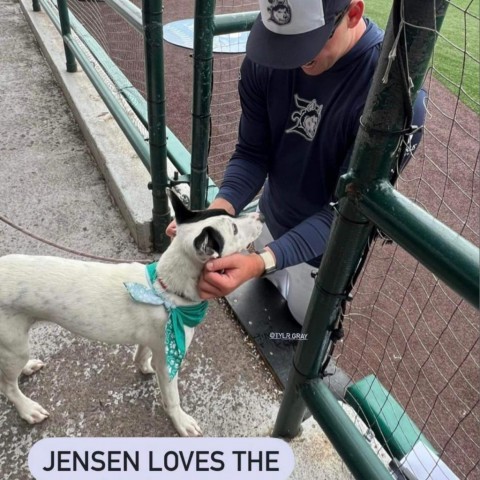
234, 22
65, 27
131, 132
176, 151
117, 111
338, 264
202, 96
129, 11
223, 24
154, 75
444, 252
357, 454
378, 140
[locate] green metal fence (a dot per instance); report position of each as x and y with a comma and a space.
366, 197
163, 145
367, 200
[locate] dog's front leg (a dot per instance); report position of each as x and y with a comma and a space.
185, 425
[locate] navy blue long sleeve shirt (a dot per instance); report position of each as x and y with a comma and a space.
295, 135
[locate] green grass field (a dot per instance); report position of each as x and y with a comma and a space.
457, 51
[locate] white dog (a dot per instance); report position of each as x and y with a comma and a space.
94, 300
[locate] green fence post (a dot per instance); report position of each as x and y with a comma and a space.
65, 26
359, 456
374, 155
338, 264
154, 74
36, 6
234, 22
202, 96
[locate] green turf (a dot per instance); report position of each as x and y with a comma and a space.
456, 57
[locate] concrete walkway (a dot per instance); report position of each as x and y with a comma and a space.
51, 184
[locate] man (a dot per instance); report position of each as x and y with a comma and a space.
303, 87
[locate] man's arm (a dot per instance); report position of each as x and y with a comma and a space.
304, 243
224, 204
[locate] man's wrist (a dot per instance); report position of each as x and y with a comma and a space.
269, 261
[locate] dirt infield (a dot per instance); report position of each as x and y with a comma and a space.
416, 335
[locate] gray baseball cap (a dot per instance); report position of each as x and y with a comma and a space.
289, 33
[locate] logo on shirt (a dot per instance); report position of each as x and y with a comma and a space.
306, 118
280, 12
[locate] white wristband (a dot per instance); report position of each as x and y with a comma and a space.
269, 261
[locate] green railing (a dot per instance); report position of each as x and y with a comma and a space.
154, 154
206, 26
367, 200
366, 197
163, 145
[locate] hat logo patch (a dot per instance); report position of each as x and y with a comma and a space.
280, 12
306, 118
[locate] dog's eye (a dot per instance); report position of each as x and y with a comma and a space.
235, 228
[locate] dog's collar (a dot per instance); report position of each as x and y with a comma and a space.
178, 317
151, 274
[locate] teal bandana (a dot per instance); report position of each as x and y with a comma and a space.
178, 317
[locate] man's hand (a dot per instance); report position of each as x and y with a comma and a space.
171, 229
223, 275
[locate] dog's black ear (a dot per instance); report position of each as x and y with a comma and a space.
209, 243
182, 213
185, 215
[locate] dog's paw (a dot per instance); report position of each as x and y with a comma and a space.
146, 367
143, 360
186, 425
32, 412
32, 366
